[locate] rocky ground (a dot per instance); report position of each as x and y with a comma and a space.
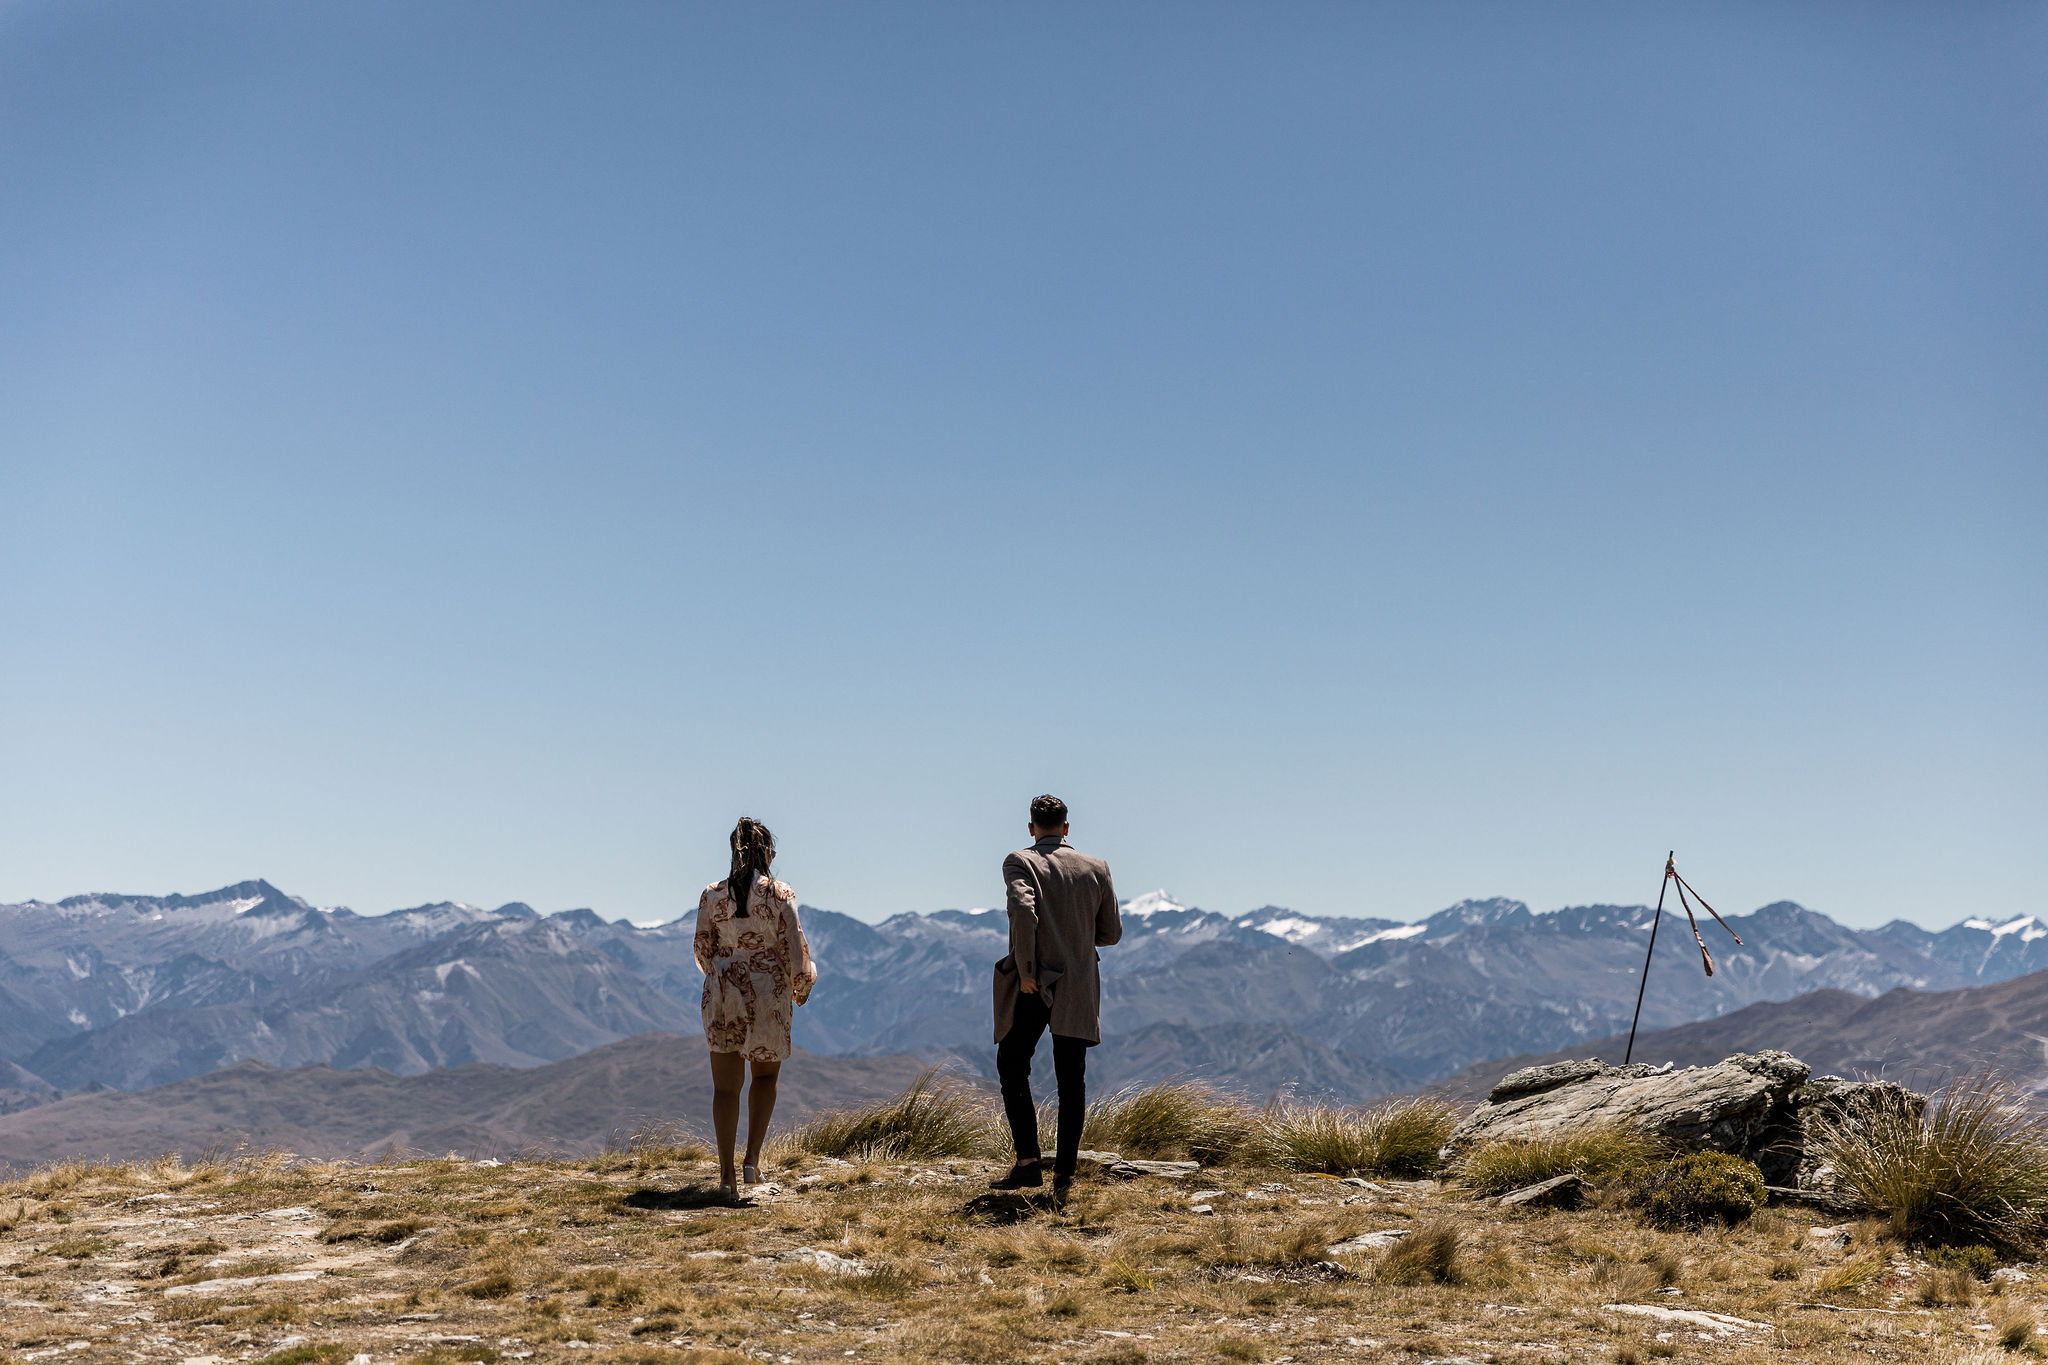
632, 1259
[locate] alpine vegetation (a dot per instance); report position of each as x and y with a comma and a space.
1399, 1139
1971, 1168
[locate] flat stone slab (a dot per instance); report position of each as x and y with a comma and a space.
1720, 1324
1369, 1242
240, 1282
1169, 1170
829, 1262
1559, 1192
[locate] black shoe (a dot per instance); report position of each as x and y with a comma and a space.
1061, 1185
1024, 1175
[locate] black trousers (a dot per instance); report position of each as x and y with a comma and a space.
1070, 1069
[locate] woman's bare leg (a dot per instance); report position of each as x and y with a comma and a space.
760, 1108
728, 1073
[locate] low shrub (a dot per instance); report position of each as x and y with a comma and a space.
1398, 1140
935, 1117
1978, 1260
1597, 1152
1699, 1188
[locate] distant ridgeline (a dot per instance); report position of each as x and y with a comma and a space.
134, 991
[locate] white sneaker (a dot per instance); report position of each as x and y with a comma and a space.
750, 1174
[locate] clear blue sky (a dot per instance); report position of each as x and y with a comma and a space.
1361, 456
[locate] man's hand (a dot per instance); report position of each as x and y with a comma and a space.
1028, 985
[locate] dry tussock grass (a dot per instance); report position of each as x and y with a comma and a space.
1170, 1121
1398, 1140
1972, 1168
532, 1256
1596, 1152
936, 1117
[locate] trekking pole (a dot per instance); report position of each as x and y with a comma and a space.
1670, 871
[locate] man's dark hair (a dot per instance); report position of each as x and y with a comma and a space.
1048, 812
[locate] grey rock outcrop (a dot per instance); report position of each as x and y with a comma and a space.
1792, 1159
1755, 1105
1721, 1107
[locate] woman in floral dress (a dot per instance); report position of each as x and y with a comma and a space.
757, 969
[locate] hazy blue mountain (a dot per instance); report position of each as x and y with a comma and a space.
131, 991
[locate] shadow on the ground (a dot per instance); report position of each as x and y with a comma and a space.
1002, 1208
696, 1195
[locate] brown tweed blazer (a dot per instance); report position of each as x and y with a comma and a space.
1062, 908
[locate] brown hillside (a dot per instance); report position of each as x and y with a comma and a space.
570, 1106
1914, 1037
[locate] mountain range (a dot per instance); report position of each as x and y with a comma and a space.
129, 992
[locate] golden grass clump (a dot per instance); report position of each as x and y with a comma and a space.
307, 1354
1596, 1152
654, 1142
937, 1116
1306, 1241
1428, 1255
1979, 1260
1945, 1289
1397, 1140
1972, 1168
2015, 1328
1170, 1120
1124, 1277
1853, 1276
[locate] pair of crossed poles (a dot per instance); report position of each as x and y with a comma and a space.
1706, 958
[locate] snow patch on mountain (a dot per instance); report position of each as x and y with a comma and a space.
2026, 926
1293, 930
1152, 903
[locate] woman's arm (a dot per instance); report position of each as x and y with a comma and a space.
706, 937
803, 973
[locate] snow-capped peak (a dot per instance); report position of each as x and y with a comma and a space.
2026, 926
1151, 903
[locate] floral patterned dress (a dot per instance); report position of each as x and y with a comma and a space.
757, 969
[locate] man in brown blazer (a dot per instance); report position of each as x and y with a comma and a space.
1062, 908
